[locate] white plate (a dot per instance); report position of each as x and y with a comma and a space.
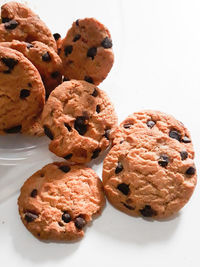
157, 55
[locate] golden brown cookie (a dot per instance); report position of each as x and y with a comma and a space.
20, 23
44, 58
78, 118
59, 200
86, 51
22, 93
150, 170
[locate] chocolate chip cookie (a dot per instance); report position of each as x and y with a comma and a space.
150, 170
44, 58
59, 200
22, 93
18, 22
78, 118
86, 51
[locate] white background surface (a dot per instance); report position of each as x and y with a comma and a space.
157, 66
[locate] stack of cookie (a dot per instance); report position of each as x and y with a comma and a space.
49, 86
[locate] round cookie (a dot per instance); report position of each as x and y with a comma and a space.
45, 59
86, 51
22, 93
150, 173
78, 118
57, 201
20, 23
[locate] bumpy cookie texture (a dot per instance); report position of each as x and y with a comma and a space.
59, 200
86, 51
22, 93
18, 22
155, 122
150, 170
45, 59
78, 118
35, 129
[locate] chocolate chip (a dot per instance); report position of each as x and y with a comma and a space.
88, 79
76, 37
9, 62
77, 22
98, 108
12, 24
92, 52
95, 93
24, 93
128, 206
127, 125
190, 171
7, 71
147, 211
30, 216
80, 125
60, 224
121, 142
69, 128
107, 133
175, 135
4, 20
64, 168
65, 79
59, 50
106, 43
66, 217
55, 74
34, 193
68, 49
186, 139
184, 155
48, 132
163, 161
46, 57
56, 36
29, 85
80, 223
96, 153
150, 123
68, 156
29, 45
124, 188
15, 129
119, 168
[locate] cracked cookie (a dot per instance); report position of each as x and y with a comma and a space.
18, 22
44, 58
59, 200
78, 117
22, 93
150, 170
86, 51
